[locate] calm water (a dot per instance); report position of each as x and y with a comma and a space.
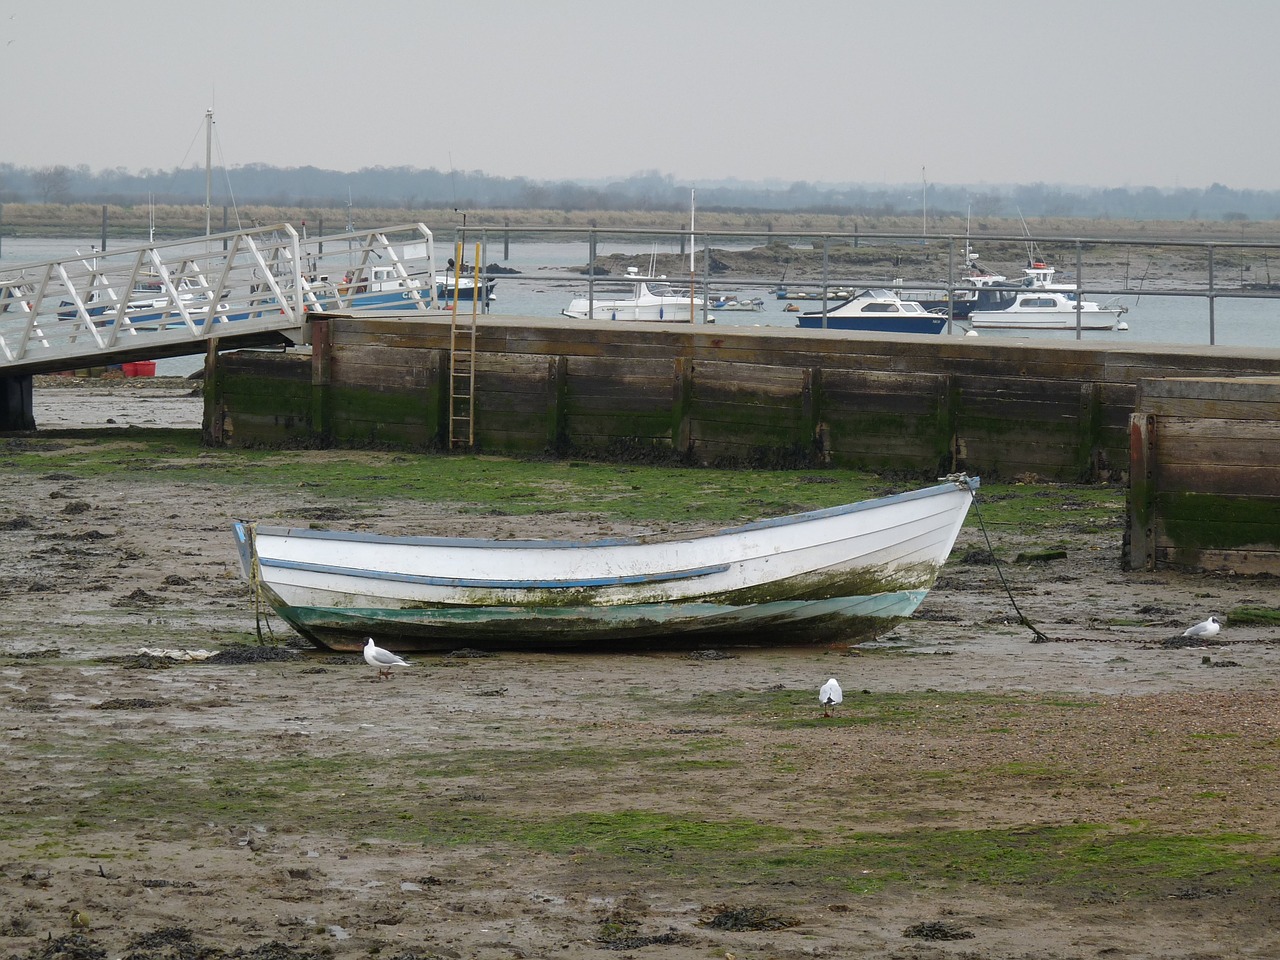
544, 288
542, 291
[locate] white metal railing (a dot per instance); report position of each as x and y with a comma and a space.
175, 297
386, 268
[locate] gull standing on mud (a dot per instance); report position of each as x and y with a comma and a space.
384, 660
830, 696
1205, 630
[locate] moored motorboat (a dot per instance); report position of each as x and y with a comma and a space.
840, 573
636, 297
1038, 303
875, 311
1045, 310
462, 283
368, 288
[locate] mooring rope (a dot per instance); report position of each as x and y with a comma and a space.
1022, 618
255, 581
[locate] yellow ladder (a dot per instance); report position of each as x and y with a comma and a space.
462, 359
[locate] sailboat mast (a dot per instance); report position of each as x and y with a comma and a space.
208, 172
924, 204
692, 212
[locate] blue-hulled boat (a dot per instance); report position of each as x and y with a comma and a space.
877, 311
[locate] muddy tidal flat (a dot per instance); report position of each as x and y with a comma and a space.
1111, 792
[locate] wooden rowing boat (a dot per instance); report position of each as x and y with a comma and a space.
840, 573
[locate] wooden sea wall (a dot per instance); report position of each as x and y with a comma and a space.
1205, 481
713, 395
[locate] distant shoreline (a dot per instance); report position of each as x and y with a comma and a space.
137, 222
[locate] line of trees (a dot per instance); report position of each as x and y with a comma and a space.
413, 188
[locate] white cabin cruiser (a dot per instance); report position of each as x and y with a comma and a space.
1037, 303
635, 298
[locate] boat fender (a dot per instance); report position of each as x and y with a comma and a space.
614, 315
661, 312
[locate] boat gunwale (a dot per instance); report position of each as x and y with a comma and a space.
960, 482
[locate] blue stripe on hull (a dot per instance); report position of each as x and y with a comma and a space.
477, 584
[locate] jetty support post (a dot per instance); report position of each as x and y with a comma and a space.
16, 410
213, 433
321, 378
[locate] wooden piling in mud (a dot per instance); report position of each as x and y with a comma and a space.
1205, 474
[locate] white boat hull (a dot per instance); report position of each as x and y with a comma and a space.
636, 297
668, 311
1100, 319
843, 572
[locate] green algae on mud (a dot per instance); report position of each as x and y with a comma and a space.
361, 479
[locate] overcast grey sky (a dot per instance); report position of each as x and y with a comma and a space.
1088, 92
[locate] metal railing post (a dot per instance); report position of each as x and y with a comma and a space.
706, 275
1212, 298
951, 283
591, 275
826, 262
1079, 289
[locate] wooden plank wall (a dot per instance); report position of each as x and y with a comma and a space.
888, 421
516, 402
706, 394
260, 399
1205, 484
751, 413
622, 409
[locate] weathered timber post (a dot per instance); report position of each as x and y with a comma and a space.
16, 411
1142, 492
951, 451
1089, 433
321, 377
558, 404
812, 409
437, 390
212, 433
681, 404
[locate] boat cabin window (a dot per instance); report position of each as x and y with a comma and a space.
1038, 302
880, 308
612, 291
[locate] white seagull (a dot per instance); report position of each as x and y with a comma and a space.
384, 660
1203, 631
829, 696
